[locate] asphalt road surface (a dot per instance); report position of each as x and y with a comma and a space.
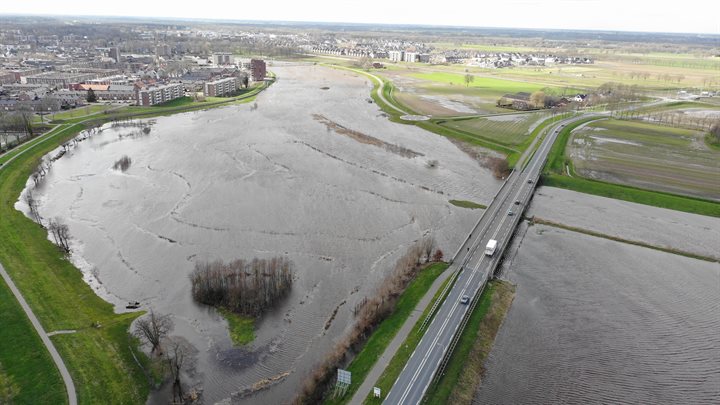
496, 223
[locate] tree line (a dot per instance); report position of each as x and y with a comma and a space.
244, 287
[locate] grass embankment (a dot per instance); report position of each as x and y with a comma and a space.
466, 367
402, 355
99, 359
557, 159
555, 175
242, 328
22, 355
384, 334
54, 118
467, 204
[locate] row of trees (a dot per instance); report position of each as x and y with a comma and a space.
368, 315
244, 287
671, 118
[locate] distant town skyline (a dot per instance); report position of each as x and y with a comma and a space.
689, 16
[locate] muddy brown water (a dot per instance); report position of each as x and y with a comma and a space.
258, 181
598, 321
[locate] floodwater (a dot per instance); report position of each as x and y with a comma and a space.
259, 180
598, 321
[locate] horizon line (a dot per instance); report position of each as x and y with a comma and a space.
210, 19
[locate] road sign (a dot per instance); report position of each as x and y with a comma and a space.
344, 377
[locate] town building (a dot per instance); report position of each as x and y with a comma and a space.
163, 50
396, 56
153, 95
221, 87
114, 53
59, 80
223, 58
258, 69
410, 56
517, 101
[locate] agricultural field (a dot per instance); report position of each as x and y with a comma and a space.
441, 91
649, 156
685, 114
510, 130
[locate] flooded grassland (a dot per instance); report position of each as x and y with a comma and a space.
311, 171
600, 321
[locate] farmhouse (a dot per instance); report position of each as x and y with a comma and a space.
517, 101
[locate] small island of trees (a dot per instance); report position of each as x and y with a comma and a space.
244, 287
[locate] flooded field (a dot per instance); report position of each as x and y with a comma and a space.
649, 156
664, 228
598, 321
311, 171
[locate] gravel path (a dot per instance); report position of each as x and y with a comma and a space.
69, 386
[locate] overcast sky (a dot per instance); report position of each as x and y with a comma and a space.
695, 16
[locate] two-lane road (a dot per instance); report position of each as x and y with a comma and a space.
498, 222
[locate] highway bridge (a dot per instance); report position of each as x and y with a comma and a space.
475, 269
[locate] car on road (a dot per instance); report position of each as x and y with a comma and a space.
464, 300
517, 202
529, 181
510, 213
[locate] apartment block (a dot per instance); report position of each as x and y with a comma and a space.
258, 69
154, 95
221, 87
223, 58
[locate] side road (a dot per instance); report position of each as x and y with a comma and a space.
69, 385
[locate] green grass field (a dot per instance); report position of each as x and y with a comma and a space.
467, 204
384, 334
241, 328
488, 85
22, 355
74, 113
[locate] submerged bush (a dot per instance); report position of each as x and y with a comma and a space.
243, 287
123, 163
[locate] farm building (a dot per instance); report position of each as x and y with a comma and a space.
517, 101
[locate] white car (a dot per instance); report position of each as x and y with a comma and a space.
464, 300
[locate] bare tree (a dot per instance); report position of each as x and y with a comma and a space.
153, 328
32, 205
175, 359
468, 79
61, 233
47, 105
22, 119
